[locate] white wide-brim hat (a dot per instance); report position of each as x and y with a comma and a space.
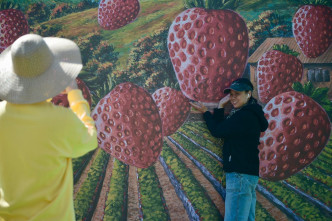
34, 68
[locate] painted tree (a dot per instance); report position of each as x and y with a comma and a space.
149, 64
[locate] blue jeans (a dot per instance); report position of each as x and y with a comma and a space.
240, 197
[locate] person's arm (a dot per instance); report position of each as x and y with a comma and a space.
81, 108
238, 125
84, 137
219, 112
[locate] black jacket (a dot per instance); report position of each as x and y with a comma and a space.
241, 133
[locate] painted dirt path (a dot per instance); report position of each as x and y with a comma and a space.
99, 211
274, 211
133, 203
174, 204
84, 175
213, 194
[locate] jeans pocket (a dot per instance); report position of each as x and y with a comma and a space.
250, 180
234, 182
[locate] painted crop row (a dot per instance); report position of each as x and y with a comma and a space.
202, 130
296, 203
152, 202
205, 159
117, 196
195, 193
202, 141
312, 188
88, 195
79, 165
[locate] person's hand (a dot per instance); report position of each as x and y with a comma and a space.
224, 101
199, 106
71, 86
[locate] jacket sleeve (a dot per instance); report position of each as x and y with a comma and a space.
84, 134
265, 125
218, 114
239, 124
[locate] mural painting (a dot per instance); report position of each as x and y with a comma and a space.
144, 61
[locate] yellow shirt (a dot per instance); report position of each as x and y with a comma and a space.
37, 142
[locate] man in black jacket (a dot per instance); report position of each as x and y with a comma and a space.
241, 132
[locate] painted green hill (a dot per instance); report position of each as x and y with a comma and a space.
123, 44
152, 16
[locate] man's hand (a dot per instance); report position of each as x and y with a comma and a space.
224, 101
199, 106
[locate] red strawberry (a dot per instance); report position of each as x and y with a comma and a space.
62, 100
13, 25
277, 71
299, 129
129, 126
208, 49
173, 107
114, 14
312, 28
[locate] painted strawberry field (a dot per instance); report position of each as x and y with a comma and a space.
300, 197
144, 60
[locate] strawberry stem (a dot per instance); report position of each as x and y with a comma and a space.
9, 5
315, 2
285, 49
212, 4
319, 94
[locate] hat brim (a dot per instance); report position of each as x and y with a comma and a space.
66, 66
237, 88
227, 90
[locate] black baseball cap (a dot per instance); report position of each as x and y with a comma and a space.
241, 84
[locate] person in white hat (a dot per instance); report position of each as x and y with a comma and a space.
37, 138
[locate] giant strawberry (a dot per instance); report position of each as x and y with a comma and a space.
62, 100
299, 129
277, 70
312, 28
114, 14
129, 126
13, 25
208, 49
173, 108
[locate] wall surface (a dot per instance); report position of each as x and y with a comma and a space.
143, 62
